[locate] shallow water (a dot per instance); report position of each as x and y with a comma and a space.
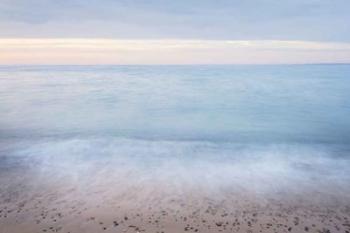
258, 129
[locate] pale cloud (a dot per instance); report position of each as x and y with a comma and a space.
311, 20
169, 51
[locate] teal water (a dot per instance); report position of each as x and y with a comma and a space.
292, 103
284, 127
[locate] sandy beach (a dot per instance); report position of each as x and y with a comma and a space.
57, 212
61, 194
105, 209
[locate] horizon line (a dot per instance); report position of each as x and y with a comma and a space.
86, 51
194, 64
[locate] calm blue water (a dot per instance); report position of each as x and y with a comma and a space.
284, 127
295, 103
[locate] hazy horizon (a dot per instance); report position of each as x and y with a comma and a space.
166, 32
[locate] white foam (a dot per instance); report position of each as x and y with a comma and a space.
187, 167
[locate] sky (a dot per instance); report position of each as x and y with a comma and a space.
174, 32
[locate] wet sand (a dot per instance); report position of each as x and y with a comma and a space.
81, 196
66, 209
